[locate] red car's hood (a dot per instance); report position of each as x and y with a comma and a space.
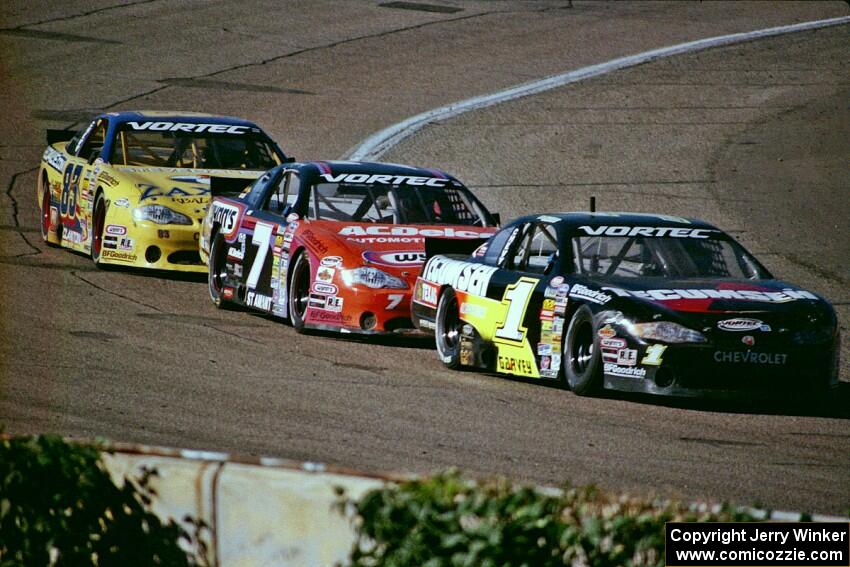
387, 245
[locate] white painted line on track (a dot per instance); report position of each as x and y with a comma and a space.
379, 143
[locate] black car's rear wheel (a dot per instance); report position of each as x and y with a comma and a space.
448, 330
299, 291
581, 365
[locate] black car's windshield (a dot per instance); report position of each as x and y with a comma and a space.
396, 204
193, 149
639, 256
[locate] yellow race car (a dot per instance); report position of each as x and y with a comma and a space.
132, 188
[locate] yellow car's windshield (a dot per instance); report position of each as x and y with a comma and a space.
193, 150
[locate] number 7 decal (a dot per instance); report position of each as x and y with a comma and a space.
261, 238
516, 297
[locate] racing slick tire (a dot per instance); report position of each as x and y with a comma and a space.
448, 331
298, 293
581, 366
217, 267
45, 215
98, 218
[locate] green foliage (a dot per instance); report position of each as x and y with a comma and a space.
59, 506
447, 521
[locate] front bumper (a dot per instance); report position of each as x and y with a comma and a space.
159, 247
365, 311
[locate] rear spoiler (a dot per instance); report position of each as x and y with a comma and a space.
228, 185
452, 246
54, 136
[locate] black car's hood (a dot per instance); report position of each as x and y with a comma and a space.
707, 302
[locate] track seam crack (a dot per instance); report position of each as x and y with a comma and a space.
74, 16
11, 187
114, 293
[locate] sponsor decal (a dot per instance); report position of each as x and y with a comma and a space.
625, 371
122, 202
236, 253
126, 243
54, 159
426, 324
741, 325
227, 293
750, 357
226, 216
120, 256
333, 303
613, 343
331, 261
384, 179
606, 332
748, 340
647, 231
627, 357
783, 296
409, 231
116, 229
556, 281
314, 242
473, 310
463, 276
188, 127
163, 233
326, 316
191, 200
258, 300
480, 251
544, 349
545, 362
515, 365
425, 293
594, 296
106, 179
396, 259
152, 191
325, 274
325, 288
318, 301
110, 242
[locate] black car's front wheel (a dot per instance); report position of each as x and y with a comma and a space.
448, 331
299, 291
582, 359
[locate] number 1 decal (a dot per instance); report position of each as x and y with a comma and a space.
516, 296
261, 237
653, 355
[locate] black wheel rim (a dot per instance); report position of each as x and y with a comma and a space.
45, 211
97, 235
218, 271
301, 289
582, 351
450, 329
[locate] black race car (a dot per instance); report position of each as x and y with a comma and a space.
641, 303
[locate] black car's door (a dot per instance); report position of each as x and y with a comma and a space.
526, 261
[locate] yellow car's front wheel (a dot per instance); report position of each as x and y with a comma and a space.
98, 226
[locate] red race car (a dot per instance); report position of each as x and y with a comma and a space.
335, 245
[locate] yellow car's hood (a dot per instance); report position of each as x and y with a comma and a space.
184, 190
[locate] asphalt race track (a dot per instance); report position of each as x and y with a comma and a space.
753, 137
